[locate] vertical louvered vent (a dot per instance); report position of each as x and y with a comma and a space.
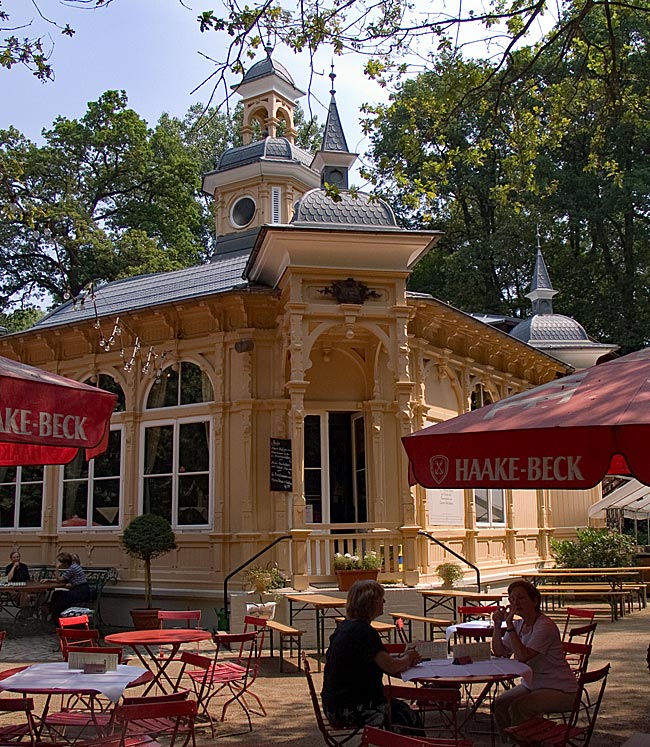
275, 204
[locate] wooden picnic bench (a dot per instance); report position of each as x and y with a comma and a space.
284, 632
616, 598
429, 623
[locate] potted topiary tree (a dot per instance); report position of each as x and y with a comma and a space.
145, 538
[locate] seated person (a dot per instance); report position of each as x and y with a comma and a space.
534, 639
355, 664
71, 575
16, 571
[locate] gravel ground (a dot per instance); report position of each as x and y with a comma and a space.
290, 720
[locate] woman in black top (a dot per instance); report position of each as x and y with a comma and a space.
356, 662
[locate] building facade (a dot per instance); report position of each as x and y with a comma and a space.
264, 395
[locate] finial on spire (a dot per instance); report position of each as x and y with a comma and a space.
332, 77
539, 245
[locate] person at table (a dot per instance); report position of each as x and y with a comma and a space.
534, 639
355, 664
16, 571
70, 574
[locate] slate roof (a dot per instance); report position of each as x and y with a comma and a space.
550, 328
541, 279
144, 291
268, 149
333, 136
266, 67
357, 209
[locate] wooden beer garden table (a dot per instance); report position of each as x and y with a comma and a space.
451, 599
321, 605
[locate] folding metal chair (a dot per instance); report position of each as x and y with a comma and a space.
441, 702
372, 737
75, 621
577, 656
577, 615
73, 637
576, 731
179, 619
334, 736
583, 634
17, 732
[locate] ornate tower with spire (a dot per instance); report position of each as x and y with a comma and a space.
334, 160
258, 183
555, 334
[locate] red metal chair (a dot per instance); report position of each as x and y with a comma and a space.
75, 637
372, 737
75, 621
476, 612
14, 732
441, 702
577, 656
142, 721
578, 727
334, 736
583, 634
179, 619
97, 650
577, 615
3, 635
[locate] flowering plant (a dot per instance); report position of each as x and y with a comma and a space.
369, 561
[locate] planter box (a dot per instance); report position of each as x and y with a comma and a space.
347, 578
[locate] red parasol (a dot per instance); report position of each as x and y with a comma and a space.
568, 433
46, 419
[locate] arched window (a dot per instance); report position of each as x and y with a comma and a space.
181, 384
178, 451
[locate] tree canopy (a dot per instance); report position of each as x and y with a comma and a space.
554, 151
108, 197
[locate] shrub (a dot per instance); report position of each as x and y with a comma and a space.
264, 580
594, 548
450, 572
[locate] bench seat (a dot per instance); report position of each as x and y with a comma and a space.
430, 623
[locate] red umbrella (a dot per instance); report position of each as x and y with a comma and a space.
46, 419
568, 433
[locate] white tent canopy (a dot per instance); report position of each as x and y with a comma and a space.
632, 498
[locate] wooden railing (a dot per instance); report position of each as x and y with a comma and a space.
355, 539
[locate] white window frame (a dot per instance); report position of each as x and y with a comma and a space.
18, 484
91, 466
325, 461
176, 423
490, 494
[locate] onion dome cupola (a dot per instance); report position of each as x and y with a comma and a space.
334, 160
258, 182
560, 336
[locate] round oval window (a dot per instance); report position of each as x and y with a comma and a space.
243, 211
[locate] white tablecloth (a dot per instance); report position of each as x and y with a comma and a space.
56, 675
470, 624
445, 669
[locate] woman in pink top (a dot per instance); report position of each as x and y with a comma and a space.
532, 638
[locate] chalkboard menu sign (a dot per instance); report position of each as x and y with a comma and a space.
281, 464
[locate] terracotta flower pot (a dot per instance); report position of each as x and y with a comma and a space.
347, 578
145, 618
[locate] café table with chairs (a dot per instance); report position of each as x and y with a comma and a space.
146, 644
85, 700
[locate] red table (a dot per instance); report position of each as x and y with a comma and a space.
144, 643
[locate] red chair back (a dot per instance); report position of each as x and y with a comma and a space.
75, 621
96, 650
186, 616
584, 616
74, 637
